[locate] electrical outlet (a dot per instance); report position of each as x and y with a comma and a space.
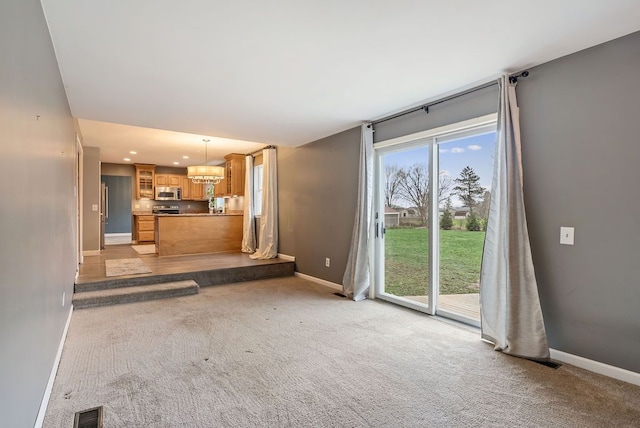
137, 206
327, 262
94, 207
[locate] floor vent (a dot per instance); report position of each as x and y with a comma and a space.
340, 295
550, 364
91, 418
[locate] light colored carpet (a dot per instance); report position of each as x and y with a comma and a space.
288, 353
119, 267
145, 249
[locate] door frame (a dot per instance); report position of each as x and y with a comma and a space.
79, 167
428, 138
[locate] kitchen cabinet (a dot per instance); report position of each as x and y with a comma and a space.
235, 171
145, 228
197, 191
220, 189
185, 185
168, 180
145, 175
191, 191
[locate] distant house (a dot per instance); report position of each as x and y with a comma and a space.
409, 213
460, 213
391, 217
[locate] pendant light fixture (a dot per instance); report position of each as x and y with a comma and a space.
205, 174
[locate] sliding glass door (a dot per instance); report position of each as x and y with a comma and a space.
432, 196
403, 224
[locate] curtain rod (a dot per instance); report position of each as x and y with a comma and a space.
271, 146
425, 107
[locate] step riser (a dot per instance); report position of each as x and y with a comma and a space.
82, 303
203, 278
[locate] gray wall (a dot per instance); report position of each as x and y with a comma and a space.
317, 192
581, 151
38, 216
91, 196
581, 130
469, 106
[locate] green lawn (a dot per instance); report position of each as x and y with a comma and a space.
406, 261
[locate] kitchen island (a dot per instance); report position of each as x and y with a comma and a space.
197, 233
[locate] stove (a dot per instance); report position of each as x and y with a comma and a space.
166, 209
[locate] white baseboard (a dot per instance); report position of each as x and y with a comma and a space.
52, 376
91, 253
286, 257
596, 367
320, 281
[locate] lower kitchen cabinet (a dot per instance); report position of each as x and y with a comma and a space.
145, 228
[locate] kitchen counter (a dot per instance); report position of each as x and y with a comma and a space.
196, 215
197, 233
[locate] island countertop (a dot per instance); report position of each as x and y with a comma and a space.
197, 233
197, 215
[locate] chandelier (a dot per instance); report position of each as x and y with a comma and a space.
205, 174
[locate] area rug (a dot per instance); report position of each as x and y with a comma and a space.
118, 267
145, 249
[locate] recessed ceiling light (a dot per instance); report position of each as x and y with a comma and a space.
185, 157
176, 163
133, 152
127, 159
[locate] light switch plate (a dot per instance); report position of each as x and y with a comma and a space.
94, 207
567, 235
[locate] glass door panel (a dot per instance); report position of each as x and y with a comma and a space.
465, 173
403, 211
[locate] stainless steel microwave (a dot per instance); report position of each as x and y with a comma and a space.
168, 194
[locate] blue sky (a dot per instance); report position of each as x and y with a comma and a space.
476, 152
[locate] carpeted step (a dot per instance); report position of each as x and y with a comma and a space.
141, 293
204, 278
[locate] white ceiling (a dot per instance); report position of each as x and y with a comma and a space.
288, 72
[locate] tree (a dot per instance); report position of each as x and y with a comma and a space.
473, 223
468, 187
483, 206
392, 185
446, 222
413, 186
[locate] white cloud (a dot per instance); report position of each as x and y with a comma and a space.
457, 150
444, 172
474, 147
444, 151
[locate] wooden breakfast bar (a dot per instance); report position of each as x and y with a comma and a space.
197, 233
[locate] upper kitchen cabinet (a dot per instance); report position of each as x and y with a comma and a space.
185, 184
145, 175
168, 180
220, 189
191, 191
197, 191
235, 171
